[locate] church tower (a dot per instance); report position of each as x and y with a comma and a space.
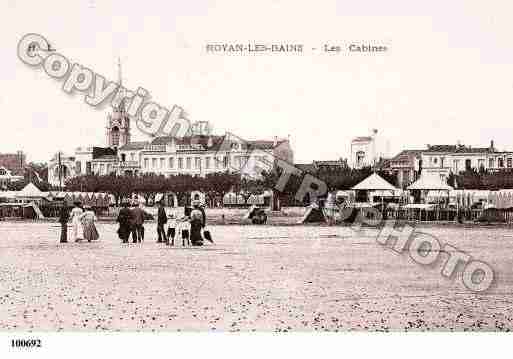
118, 123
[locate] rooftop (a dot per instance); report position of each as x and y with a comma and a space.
362, 139
215, 142
459, 149
133, 146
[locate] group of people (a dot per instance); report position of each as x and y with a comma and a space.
191, 227
82, 223
131, 222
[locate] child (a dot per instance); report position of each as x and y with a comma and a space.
185, 228
171, 229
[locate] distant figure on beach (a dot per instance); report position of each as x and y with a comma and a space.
161, 221
137, 222
88, 219
123, 219
198, 219
63, 220
76, 225
185, 230
171, 229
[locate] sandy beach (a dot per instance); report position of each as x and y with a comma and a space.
255, 278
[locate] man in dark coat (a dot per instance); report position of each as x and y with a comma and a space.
63, 220
161, 221
124, 218
137, 223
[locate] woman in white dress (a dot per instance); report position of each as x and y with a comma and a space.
76, 224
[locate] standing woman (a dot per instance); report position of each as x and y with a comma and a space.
197, 223
63, 220
76, 225
88, 219
124, 218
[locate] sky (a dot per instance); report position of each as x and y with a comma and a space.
447, 75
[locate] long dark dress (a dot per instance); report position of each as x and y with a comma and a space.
63, 219
196, 225
124, 224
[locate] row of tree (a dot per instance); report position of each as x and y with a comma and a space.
482, 180
214, 185
123, 187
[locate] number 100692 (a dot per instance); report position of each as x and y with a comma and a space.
26, 343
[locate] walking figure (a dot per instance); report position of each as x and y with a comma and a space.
123, 219
63, 220
161, 221
185, 229
88, 219
198, 220
137, 223
76, 224
171, 229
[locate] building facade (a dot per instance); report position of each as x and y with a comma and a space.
194, 155
201, 155
405, 166
443, 160
366, 151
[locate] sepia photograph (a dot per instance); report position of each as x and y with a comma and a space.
254, 174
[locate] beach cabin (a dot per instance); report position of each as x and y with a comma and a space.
374, 189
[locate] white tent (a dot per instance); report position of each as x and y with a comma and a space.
374, 183
433, 182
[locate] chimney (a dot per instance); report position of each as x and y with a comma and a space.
492, 147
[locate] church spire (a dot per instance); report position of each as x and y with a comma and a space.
121, 106
120, 77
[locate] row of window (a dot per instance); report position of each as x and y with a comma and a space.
496, 162
185, 163
193, 162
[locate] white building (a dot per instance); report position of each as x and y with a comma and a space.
366, 151
195, 155
201, 155
445, 159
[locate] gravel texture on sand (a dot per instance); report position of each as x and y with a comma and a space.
263, 278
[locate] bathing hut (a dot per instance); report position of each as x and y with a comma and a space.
373, 186
428, 183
